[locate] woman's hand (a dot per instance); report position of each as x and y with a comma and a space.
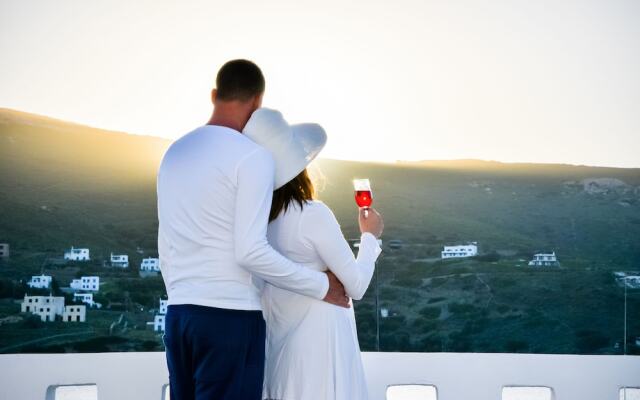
371, 221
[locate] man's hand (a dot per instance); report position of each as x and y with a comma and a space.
336, 294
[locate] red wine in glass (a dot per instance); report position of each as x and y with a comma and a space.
363, 196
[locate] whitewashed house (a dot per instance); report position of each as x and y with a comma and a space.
544, 260
89, 283
119, 260
163, 306
158, 319
77, 254
46, 307
460, 251
74, 313
86, 298
40, 282
4, 250
150, 265
158, 323
632, 281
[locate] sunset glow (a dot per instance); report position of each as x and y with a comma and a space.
542, 81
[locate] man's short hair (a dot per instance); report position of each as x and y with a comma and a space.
239, 80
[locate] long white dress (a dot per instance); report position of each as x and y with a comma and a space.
312, 348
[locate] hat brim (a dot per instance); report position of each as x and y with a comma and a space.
311, 139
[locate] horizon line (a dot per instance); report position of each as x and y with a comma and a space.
386, 162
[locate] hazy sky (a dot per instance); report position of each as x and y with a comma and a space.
543, 81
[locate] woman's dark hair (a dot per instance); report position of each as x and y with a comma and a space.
239, 80
299, 189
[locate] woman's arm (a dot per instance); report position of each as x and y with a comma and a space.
321, 231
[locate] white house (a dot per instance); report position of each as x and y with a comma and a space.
544, 260
119, 260
86, 298
4, 250
158, 323
46, 307
163, 306
74, 313
466, 250
150, 265
158, 320
89, 283
77, 254
40, 282
632, 281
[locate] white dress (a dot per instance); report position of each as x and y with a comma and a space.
312, 348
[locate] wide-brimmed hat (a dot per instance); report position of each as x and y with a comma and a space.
293, 146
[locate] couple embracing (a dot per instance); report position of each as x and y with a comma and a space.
258, 273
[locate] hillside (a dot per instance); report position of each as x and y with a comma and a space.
63, 184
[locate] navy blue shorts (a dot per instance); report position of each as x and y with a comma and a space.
214, 353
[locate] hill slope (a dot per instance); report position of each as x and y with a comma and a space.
63, 184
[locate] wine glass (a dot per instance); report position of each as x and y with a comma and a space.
363, 194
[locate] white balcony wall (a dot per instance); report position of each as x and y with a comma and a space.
456, 376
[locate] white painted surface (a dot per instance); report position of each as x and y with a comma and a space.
83, 392
456, 376
412, 392
527, 393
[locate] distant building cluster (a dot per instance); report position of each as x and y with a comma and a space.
48, 308
85, 283
148, 267
460, 251
471, 250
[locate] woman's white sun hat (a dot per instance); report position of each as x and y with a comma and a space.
293, 146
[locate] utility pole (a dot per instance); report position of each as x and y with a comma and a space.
624, 349
377, 311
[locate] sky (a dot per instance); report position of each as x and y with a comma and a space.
551, 81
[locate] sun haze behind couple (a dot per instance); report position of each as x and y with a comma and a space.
258, 273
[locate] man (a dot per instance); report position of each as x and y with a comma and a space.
214, 195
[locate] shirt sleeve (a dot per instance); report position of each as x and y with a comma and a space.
321, 230
255, 177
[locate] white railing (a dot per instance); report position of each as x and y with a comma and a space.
455, 376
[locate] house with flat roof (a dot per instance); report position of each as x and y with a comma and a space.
460, 251
86, 298
46, 307
544, 260
76, 254
4, 250
74, 313
119, 260
88, 283
40, 282
150, 265
158, 319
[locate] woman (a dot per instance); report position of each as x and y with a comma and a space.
312, 346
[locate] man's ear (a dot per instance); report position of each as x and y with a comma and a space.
214, 95
257, 101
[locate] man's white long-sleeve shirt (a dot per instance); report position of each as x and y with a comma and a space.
214, 196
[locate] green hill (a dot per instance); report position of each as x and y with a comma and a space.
63, 184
